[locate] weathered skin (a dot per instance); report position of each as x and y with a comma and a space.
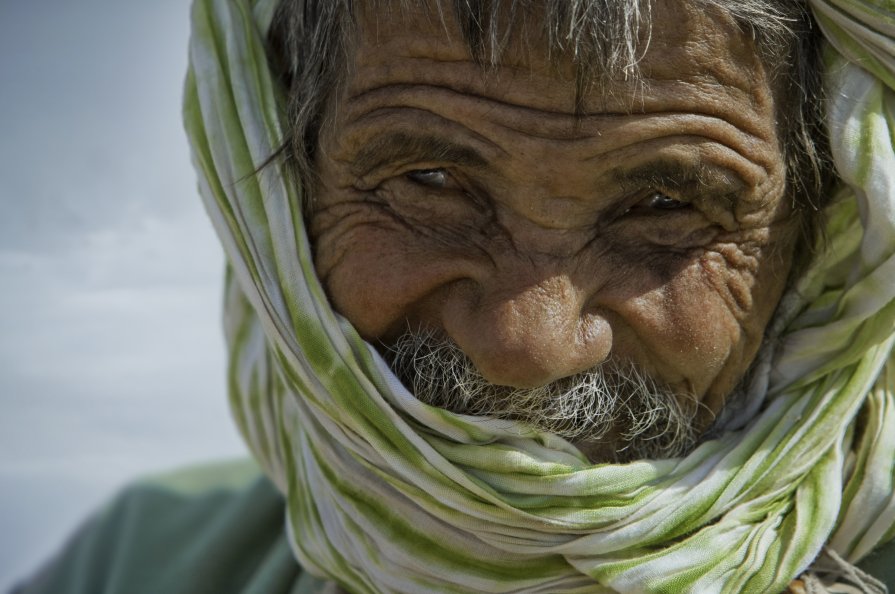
540, 244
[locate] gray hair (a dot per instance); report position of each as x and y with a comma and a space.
309, 41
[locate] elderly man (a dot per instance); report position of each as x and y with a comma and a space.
542, 297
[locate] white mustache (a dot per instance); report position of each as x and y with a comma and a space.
615, 407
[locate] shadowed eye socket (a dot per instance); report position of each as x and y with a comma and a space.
431, 178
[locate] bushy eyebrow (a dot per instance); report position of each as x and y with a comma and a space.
674, 175
398, 147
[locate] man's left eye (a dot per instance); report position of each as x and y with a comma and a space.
660, 201
432, 178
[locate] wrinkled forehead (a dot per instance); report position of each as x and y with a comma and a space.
597, 52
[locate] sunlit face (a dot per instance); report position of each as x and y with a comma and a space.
474, 203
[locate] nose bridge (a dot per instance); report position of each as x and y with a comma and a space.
527, 326
550, 193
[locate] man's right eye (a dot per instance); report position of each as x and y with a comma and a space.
432, 178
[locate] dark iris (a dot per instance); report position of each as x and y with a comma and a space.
434, 178
661, 201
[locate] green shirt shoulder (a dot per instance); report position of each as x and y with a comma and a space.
213, 529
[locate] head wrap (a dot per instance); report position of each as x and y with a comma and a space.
385, 493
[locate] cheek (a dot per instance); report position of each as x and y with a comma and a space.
374, 267
685, 329
700, 330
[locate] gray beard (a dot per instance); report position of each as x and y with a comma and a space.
613, 412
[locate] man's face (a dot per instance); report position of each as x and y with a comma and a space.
476, 204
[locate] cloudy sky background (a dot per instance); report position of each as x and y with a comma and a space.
111, 356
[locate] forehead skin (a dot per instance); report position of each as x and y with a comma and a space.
686, 63
538, 257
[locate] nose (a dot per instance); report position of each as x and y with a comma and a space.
528, 332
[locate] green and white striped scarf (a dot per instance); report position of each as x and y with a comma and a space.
386, 494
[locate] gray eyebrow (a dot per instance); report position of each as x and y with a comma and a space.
396, 147
680, 176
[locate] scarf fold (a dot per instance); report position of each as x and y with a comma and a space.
387, 494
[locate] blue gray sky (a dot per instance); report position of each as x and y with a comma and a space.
111, 356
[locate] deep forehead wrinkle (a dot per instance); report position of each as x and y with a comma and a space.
395, 147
